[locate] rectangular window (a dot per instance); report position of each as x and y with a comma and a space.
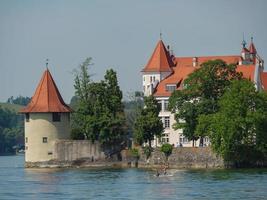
49, 153
44, 139
56, 117
26, 147
166, 122
166, 104
27, 117
26, 140
154, 78
150, 79
160, 105
171, 88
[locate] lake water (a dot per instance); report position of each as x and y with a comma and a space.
16, 182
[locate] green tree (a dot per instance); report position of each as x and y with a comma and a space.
167, 150
148, 124
11, 130
99, 108
238, 130
132, 107
20, 100
202, 90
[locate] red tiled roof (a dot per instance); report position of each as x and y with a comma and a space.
46, 97
247, 71
160, 60
264, 80
185, 66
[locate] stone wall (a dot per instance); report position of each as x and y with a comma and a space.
83, 153
71, 150
185, 157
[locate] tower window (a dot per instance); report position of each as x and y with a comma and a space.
26, 140
56, 117
27, 117
44, 139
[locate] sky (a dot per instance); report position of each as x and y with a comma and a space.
118, 34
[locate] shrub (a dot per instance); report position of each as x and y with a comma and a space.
166, 149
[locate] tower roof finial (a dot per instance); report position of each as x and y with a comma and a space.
160, 35
244, 42
46, 63
251, 39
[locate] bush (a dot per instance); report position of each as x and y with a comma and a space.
134, 153
166, 149
77, 134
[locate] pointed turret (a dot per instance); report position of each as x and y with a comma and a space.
47, 119
46, 97
160, 60
252, 48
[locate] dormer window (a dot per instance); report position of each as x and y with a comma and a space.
170, 87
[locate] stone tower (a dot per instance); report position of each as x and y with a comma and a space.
47, 119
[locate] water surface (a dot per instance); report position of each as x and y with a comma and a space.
19, 183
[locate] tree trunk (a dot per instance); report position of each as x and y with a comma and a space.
149, 143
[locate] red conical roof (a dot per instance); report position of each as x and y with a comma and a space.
252, 48
46, 97
160, 60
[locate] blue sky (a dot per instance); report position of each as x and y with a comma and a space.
119, 34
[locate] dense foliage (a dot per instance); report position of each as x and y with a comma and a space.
11, 131
148, 124
217, 102
99, 110
202, 90
20, 100
238, 131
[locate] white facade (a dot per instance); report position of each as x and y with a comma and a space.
41, 132
150, 81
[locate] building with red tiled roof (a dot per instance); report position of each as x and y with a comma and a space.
47, 119
165, 73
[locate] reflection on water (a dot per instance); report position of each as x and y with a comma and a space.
19, 183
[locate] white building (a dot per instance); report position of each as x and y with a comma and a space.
165, 73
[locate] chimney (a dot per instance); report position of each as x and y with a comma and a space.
195, 63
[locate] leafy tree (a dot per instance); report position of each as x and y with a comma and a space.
166, 149
238, 130
131, 109
20, 100
202, 90
99, 109
148, 124
11, 130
